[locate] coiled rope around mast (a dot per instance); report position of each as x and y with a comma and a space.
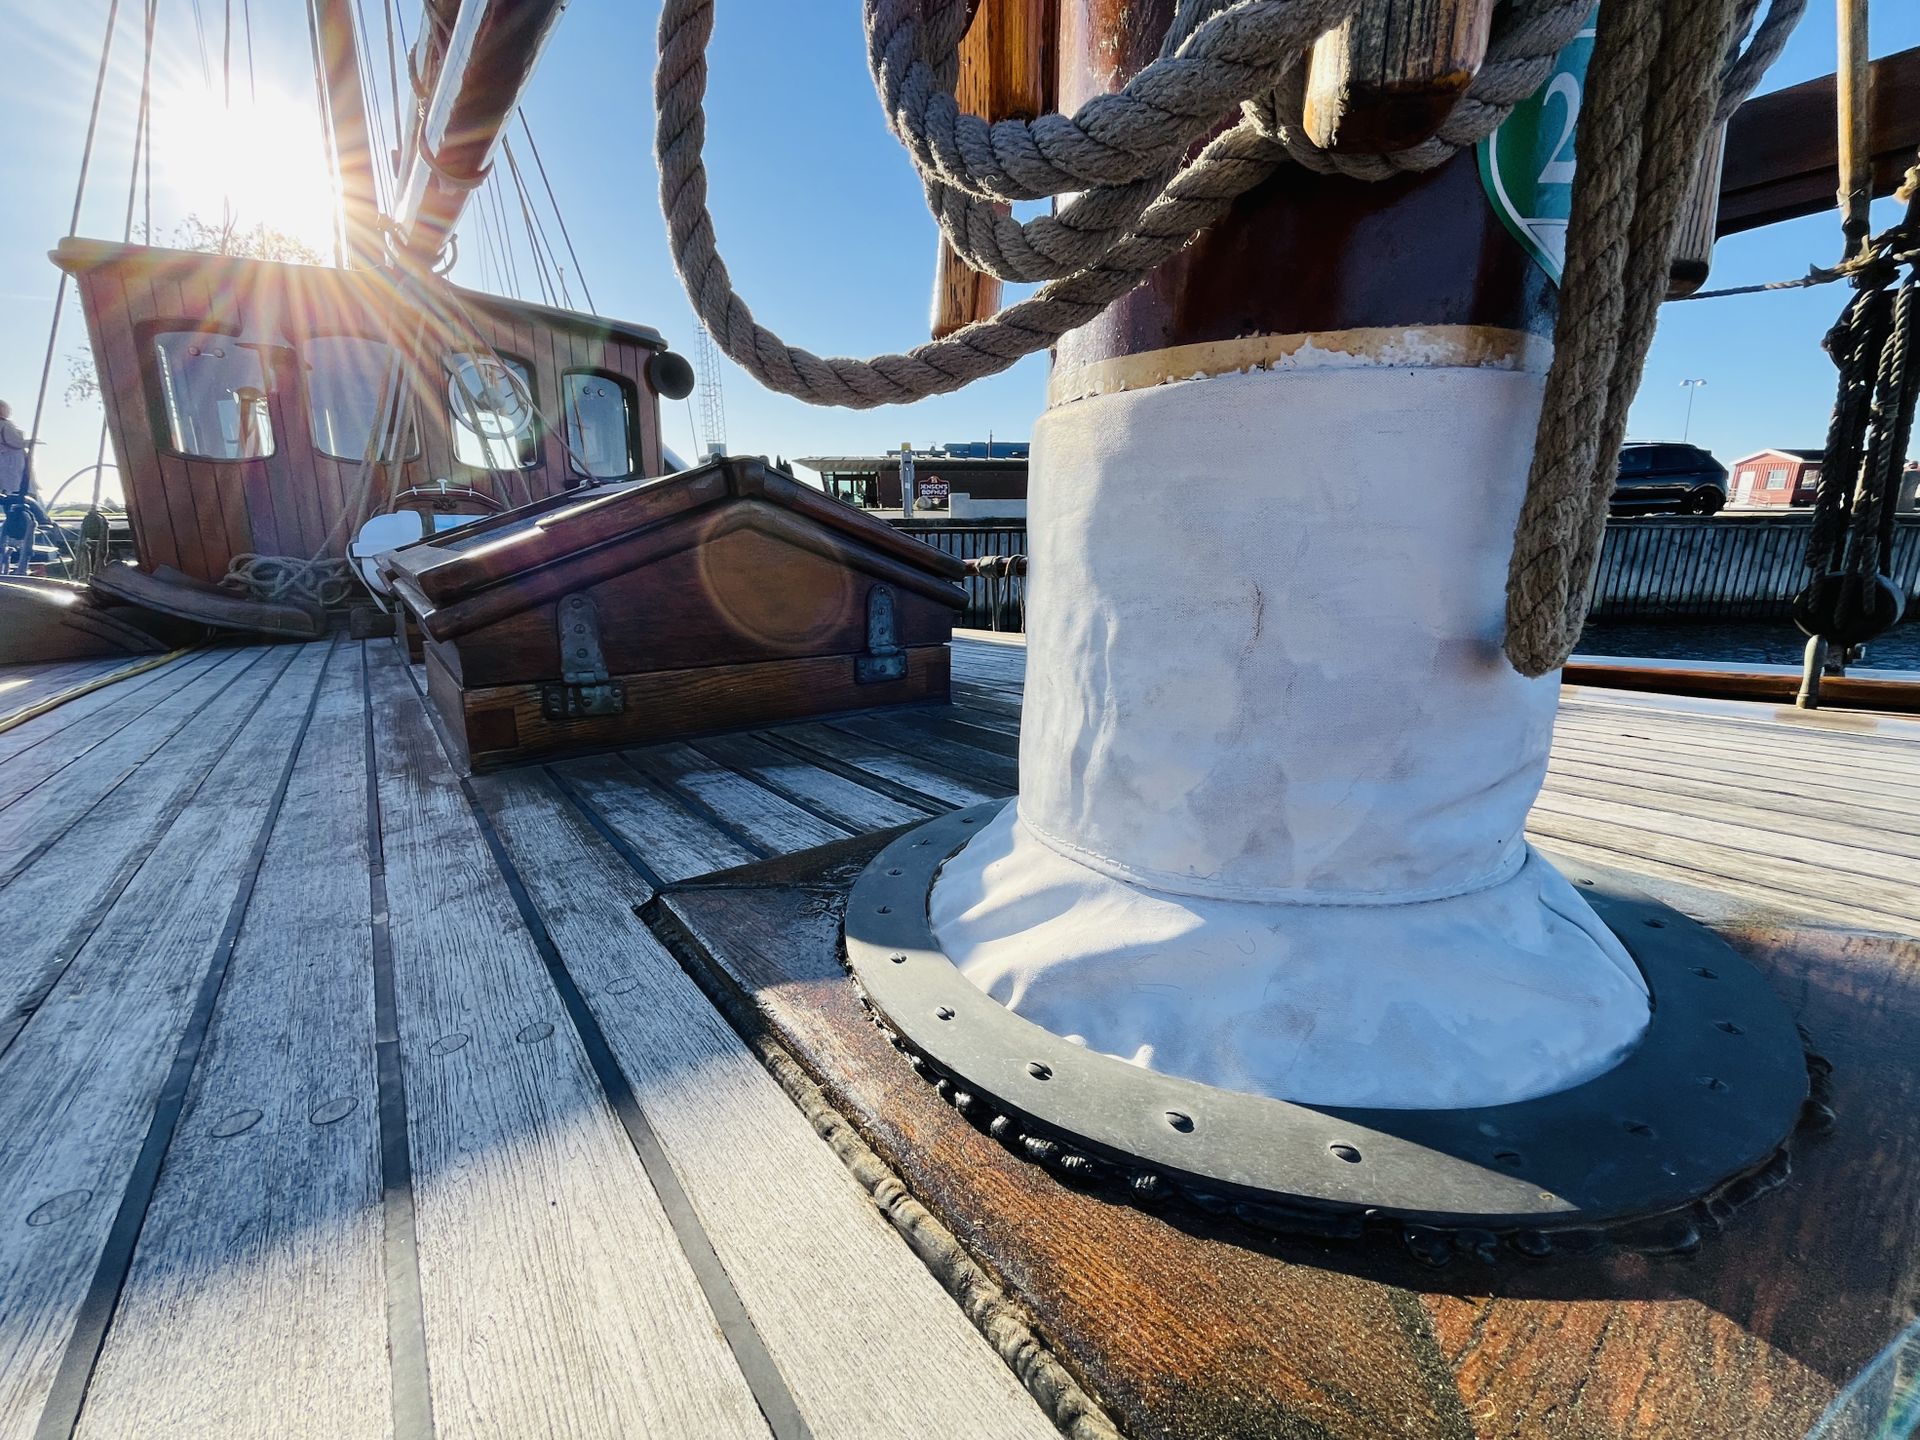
1663, 73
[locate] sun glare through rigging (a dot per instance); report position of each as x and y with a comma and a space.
259, 162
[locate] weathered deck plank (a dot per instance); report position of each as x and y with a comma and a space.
556, 1298
773, 824
88, 739
556, 1291
890, 1354
66, 718
66, 855
889, 764
669, 840
924, 740
79, 1086
831, 796
28, 684
256, 1300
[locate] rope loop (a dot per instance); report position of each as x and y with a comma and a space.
1673, 68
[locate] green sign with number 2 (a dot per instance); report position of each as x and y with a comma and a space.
1527, 164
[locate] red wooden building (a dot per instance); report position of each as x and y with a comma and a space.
1774, 479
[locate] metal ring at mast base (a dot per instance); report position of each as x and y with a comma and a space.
1692, 1122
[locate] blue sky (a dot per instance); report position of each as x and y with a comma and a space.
818, 213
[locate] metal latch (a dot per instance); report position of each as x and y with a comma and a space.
884, 660
585, 689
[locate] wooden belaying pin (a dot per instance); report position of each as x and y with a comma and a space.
1003, 76
1699, 217
1388, 77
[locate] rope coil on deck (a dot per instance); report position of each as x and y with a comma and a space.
1141, 204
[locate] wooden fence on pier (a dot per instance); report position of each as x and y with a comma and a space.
1721, 567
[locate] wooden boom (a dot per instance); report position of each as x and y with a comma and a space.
488, 53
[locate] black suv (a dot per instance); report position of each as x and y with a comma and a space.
1683, 479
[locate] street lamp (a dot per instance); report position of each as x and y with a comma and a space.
1690, 386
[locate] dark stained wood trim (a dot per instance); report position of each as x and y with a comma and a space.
1782, 149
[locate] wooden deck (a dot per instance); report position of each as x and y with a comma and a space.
340, 1096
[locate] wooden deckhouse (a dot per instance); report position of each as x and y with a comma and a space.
727, 595
240, 397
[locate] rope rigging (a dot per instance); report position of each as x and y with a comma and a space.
1850, 596
1663, 72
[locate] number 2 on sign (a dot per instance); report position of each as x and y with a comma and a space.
1559, 169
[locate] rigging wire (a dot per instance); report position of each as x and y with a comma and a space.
540, 165
200, 34
328, 144
506, 239
374, 110
142, 149
246, 15
393, 88
226, 59
73, 225
552, 286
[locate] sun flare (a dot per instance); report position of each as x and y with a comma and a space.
262, 160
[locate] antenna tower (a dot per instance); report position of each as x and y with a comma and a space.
713, 404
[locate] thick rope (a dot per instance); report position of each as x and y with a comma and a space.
1663, 74
1650, 101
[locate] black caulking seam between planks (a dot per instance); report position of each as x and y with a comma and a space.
774, 787
584, 808
81, 931
956, 730
684, 797
411, 1381
952, 769
61, 1414
757, 1365
21, 866
834, 765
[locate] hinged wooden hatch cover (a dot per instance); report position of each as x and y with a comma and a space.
721, 597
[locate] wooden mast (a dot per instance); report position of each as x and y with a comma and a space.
1274, 767
1302, 253
353, 149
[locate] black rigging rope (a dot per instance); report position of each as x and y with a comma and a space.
1852, 596
540, 165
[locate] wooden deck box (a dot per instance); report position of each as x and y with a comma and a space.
715, 599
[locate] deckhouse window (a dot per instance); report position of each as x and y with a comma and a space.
346, 380
491, 398
213, 391
599, 421
1777, 478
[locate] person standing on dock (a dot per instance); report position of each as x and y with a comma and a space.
13, 452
